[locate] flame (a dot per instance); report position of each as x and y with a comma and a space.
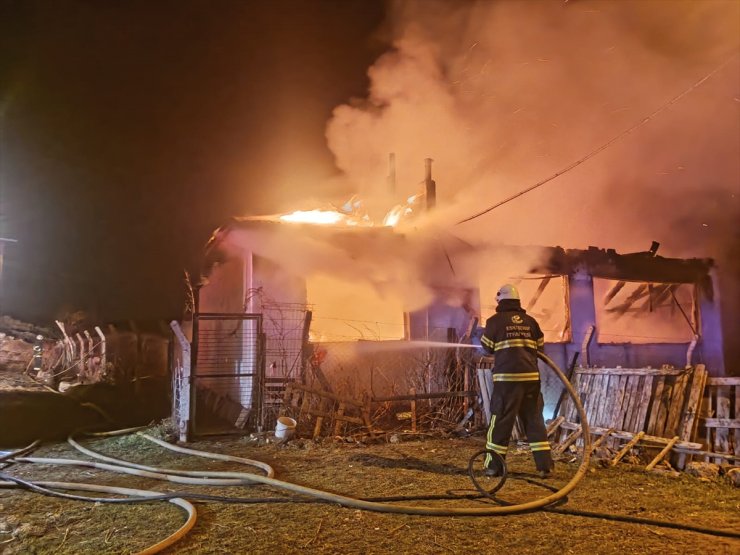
401, 211
352, 214
323, 217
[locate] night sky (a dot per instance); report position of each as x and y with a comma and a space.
130, 130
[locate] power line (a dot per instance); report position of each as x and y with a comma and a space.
602, 147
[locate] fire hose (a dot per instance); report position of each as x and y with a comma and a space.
213, 478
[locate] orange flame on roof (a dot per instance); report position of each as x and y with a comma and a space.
352, 214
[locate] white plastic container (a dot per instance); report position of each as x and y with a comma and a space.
285, 427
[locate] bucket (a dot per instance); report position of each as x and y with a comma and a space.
285, 428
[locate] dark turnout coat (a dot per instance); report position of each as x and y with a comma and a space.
514, 338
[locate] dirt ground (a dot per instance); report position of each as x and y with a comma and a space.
32, 523
414, 465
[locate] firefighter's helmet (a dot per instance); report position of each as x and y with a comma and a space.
507, 292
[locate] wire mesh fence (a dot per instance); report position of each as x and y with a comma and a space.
394, 376
227, 372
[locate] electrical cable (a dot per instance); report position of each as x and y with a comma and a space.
603, 147
22, 451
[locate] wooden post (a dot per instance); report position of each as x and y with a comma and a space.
338, 422
412, 391
319, 419
554, 425
485, 395
365, 410
662, 453
596, 444
584, 345
569, 440
721, 435
182, 397
627, 447
103, 359
81, 363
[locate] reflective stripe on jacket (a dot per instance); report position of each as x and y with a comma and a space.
514, 338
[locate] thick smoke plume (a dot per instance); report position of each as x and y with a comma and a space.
504, 94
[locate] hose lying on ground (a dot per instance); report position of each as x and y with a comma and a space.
135, 496
238, 478
212, 478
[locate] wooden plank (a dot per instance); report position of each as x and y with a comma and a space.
327, 394
676, 406
645, 392
732, 423
737, 416
338, 419
708, 454
584, 393
708, 412
614, 406
567, 405
554, 425
317, 426
584, 345
635, 392
622, 434
721, 437
629, 403
412, 392
485, 395
599, 385
569, 440
630, 444
595, 445
618, 414
667, 371
660, 422
724, 381
606, 405
655, 405
690, 419
662, 453
600, 388
582, 383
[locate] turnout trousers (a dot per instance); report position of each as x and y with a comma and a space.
522, 399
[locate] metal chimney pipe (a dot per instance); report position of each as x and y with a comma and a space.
430, 187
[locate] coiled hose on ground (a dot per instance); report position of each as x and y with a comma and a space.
214, 478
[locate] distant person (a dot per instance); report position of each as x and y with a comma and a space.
514, 338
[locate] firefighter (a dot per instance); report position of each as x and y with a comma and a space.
514, 338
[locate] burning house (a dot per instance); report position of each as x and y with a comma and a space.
330, 301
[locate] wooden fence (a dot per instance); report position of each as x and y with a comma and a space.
658, 406
719, 422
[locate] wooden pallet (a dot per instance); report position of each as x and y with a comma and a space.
660, 402
720, 417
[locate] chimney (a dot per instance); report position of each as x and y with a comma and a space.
430, 187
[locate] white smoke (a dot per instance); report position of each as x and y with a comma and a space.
504, 94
